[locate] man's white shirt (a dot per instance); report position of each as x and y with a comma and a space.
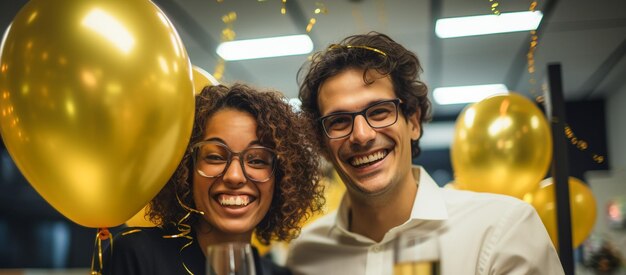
480, 233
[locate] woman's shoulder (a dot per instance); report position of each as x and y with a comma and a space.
137, 237
142, 250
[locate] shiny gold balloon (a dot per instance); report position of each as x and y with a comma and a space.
582, 209
96, 102
501, 144
139, 219
202, 78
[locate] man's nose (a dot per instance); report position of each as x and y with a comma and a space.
362, 132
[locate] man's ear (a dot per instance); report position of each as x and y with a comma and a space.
414, 123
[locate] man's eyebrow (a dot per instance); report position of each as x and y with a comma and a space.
370, 103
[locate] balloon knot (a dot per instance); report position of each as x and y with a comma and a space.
104, 234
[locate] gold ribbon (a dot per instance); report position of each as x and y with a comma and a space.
184, 229
96, 262
335, 46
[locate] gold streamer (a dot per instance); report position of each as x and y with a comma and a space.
580, 144
184, 230
96, 262
131, 232
494, 7
320, 9
228, 34
309, 27
283, 8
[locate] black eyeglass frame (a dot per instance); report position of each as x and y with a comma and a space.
194, 154
363, 112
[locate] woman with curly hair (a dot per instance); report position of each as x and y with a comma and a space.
247, 168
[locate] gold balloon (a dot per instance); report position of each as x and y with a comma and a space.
97, 104
582, 209
139, 219
501, 145
202, 78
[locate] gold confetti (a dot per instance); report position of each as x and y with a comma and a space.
310, 25
494, 7
228, 34
283, 8
320, 9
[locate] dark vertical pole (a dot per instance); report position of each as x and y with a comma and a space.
560, 170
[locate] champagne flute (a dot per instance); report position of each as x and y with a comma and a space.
230, 259
417, 253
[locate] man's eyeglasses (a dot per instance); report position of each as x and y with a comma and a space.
378, 115
212, 159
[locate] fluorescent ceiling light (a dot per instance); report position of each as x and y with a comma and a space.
467, 94
265, 47
488, 24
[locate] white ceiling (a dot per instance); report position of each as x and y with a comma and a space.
587, 37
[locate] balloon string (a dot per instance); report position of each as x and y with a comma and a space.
96, 262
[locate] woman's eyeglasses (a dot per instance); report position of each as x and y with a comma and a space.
212, 159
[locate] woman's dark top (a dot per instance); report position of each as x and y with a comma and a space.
143, 250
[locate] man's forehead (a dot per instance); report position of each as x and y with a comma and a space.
348, 92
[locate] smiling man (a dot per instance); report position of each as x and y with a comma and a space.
366, 100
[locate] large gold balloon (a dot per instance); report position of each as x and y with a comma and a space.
97, 104
582, 209
201, 79
501, 144
140, 220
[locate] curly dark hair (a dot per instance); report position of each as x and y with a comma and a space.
371, 51
297, 192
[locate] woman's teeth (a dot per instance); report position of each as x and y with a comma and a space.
234, 200
357, 161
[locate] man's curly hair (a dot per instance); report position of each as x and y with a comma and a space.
297, 192
372, 51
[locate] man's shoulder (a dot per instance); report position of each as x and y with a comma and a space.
460, 202
320, 228
319, 235
320, 248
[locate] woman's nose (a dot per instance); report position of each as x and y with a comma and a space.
234, 174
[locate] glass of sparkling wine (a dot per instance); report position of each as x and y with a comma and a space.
417, 253
230, 259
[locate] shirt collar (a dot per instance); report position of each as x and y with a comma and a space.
428, 205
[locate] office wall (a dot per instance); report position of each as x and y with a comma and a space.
611, 184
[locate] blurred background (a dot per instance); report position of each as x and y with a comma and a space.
587, 38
